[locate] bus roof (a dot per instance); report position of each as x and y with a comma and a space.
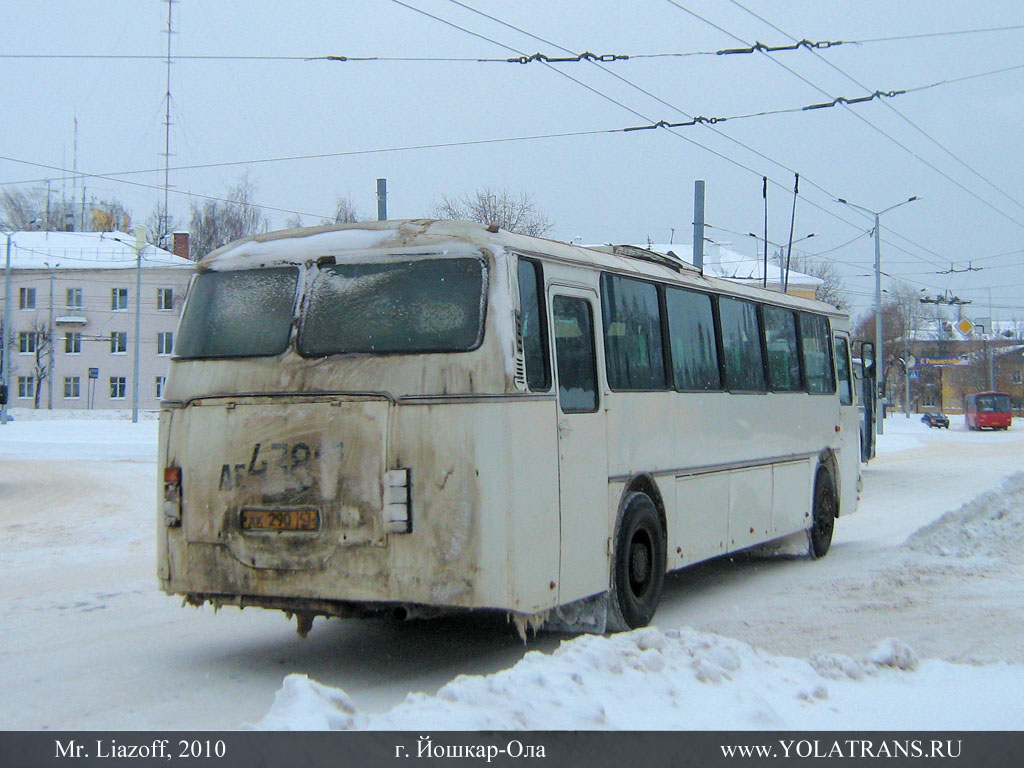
299, 246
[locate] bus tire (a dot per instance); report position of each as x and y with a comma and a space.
823, 520
638, 565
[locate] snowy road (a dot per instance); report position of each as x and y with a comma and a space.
87, 641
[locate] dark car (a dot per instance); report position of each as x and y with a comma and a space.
936, 420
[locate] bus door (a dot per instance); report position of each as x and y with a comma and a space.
849, 424
582, 450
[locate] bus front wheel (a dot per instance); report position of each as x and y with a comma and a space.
638, 568
824, 515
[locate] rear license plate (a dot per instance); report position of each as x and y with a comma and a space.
280, 520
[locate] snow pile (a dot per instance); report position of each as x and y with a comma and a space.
990, 525
314, 706
651, 679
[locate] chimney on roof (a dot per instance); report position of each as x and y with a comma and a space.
180, 247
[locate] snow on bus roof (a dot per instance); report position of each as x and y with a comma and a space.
294, 246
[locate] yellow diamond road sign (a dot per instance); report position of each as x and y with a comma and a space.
965, 326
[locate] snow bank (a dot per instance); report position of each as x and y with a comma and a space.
990, 525
71, 435
651, 679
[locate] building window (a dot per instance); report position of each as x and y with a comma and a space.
1018, 377
164, 342
119, 298
118, 342
26, 298
74, 298
73, 343
165, 298
72, 387
928, 400
27, 342
160, 381
118, 387
26, 387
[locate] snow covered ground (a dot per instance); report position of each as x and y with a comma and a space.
913, 621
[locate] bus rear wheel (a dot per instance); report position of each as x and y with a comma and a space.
824, 514
638, 568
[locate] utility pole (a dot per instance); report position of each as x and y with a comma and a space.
988, 346
879, 354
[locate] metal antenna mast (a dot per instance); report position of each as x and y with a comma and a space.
166, 217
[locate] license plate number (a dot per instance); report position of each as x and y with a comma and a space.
280, 520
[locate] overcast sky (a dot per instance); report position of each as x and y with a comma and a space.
956, 145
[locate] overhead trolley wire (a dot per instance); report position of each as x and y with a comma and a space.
471, 142
907, 120
820, 90
757, 47
629, 109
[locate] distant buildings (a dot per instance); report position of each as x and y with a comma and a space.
86, 281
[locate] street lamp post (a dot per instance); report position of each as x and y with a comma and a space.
6, 362
49, 363
764, 269
879, 395
139, 246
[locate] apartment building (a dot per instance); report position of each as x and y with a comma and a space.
73, 305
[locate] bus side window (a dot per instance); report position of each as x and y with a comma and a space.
534, 328
691, 328
843, 371
741, 342
633, 350
780, 342
814, 348
574, 354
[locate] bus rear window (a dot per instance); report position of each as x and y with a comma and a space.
426, 305
245, 313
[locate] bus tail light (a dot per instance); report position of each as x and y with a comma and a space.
172, 496
398, 501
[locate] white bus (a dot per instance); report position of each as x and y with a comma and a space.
418, 416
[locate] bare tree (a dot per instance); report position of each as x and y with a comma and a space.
515, 213
160, 226
35, 208
43, 337
831, 289
345, 212
217, 222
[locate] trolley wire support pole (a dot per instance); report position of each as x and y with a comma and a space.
879, 355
